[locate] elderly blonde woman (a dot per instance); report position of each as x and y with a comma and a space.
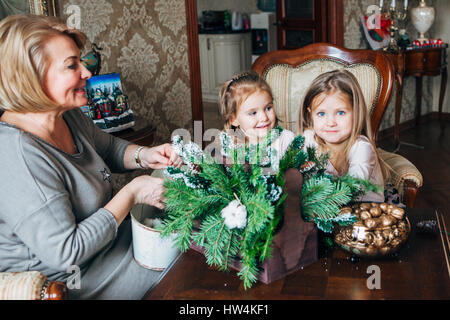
57, 208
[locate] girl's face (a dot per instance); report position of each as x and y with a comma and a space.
66, 77
332, 117
255, 116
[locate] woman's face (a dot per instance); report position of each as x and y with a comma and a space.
66, 77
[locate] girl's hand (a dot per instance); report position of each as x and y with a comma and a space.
148, 190
160, 157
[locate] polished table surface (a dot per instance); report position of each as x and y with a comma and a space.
419, 270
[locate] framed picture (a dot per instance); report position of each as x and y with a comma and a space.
10, 7
108, 105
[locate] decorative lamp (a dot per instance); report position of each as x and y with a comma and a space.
422, 18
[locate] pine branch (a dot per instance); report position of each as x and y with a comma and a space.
249, 269
260, 211
359, 186
183, 223
216, 257
266, 249
232, 249
219, 179
208, 188
240, 181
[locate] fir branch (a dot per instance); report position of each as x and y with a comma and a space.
260, 211
216, 257
249, 272
289, 157
359, 186
324, 224
220, 181
203, 193
232, 249
266, 249
240, 181
322, 197
182, 239
208, 224
345, 219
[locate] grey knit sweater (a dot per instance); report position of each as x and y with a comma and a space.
52, 216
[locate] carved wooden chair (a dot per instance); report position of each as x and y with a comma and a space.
30, 285
290, 72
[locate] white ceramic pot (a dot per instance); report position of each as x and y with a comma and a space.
150, 250
422, 18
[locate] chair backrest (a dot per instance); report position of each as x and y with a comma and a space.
290, 73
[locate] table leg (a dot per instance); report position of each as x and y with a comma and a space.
419, 98
398, 108
441, 97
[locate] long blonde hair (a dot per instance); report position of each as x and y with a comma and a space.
236, 90
24, 61
346, 83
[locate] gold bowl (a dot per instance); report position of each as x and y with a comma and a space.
381, 229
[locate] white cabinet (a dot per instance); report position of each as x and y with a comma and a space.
221, 57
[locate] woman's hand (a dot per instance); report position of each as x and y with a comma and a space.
149, 190
141, 190
159, 157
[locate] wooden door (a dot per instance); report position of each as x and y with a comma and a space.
302, 22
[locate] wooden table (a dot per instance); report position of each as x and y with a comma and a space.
418, 63
421, 270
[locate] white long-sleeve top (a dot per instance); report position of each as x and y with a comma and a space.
363, 164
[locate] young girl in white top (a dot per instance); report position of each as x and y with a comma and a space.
246, 106
334, 119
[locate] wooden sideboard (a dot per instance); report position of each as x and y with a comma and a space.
418, 63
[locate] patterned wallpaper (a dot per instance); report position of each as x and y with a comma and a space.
354, 39
146, 42
246, 6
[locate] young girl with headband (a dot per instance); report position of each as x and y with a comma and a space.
247, 108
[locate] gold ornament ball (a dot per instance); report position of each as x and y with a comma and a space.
365, 206
365, 215
375, 212
385, 250
379, 241
345, 210
370, 223
398, 213
383, 206
387, 220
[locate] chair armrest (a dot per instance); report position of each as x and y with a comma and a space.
56, 290
410, 193
30, 285
401, 170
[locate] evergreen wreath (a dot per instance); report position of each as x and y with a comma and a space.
233, 210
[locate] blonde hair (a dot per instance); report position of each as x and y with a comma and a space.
236, 90
24, 61
346, 83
